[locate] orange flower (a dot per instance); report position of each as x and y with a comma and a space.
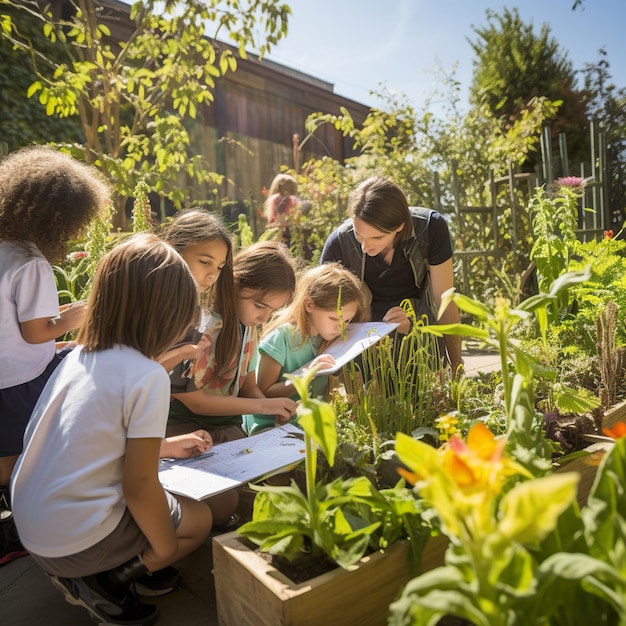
461, 479
608, 234
616, 432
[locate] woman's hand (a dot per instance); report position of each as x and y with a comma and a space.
396, 315
186, 446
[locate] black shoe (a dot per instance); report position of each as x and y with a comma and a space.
158, 583
232, 523
10, 545
106, 608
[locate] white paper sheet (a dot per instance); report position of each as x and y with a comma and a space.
234, 463
360, 336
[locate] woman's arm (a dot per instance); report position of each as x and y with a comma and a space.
146, 500
442, 279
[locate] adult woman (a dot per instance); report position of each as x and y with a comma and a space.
399, 252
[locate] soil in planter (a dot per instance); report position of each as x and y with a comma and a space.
569, 430
300, 570
450, 620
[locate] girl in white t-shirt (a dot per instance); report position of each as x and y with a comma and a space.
87, 499
46, 199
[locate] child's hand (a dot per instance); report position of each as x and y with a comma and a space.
280, 420
323, 362
186, 446
72, 315
191, 351
280, 408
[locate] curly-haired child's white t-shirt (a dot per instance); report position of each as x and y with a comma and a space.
27, 291
67, 485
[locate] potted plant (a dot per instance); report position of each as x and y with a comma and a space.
370, 539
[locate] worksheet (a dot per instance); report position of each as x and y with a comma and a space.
360, 337
234, 463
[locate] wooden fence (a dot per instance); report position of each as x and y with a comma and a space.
594, 215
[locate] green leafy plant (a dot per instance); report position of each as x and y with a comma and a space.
519, 370
521, 553
555, 219
340, 520
396, 385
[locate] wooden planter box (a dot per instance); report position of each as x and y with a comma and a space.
251, 592
588, 467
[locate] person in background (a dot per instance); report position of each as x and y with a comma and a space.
399, 252
47, 199
217, 395
328, 297
282, 199
87, 499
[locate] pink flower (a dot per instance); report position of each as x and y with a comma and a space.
608, 234
74, 257
573, 182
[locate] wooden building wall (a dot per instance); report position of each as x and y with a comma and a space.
247, 132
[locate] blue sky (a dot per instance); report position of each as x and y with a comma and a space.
359, 44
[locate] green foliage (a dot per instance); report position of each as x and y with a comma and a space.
555, 219
526, 438
396, 387
24, 121
342, 519
522, 553
142, 210
134, 99
514, 64
75, 278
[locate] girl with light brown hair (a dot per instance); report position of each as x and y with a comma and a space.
86, 495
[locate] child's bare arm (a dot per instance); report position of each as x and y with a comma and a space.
185, 352
268, 379
188, 445
146, 500
45, 329
250, 400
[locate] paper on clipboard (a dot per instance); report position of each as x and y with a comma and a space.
360, 336
235, 463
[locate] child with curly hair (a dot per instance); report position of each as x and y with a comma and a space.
47, 198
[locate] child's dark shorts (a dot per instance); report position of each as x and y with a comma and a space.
17, 404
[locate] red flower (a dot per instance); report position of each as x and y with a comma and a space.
608, 234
